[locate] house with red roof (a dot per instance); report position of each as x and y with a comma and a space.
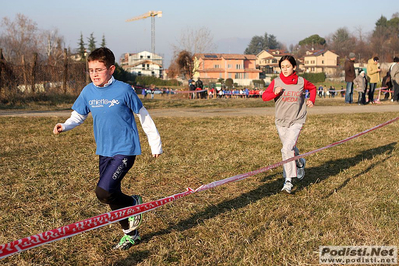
267, 60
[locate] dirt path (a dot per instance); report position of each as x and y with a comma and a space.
205, 112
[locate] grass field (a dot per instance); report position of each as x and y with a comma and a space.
348, 197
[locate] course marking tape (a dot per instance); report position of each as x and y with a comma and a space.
117, 215
85, 225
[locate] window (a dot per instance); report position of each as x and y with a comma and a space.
148, 57
217, 66
141, 57
228, 66
230, 75
238, 76
238, 66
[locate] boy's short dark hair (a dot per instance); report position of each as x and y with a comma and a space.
396, 59
289, 58
376, 58
102, 54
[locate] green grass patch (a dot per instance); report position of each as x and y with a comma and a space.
348, 197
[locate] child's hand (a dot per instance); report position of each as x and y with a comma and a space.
309, 103
278, 90
57, 129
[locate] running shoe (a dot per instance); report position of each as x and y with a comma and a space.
127, 241
135, 220
301, 170
287, 187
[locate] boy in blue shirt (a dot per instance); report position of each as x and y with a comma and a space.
112, 104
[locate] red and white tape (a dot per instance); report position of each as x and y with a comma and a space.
114, 216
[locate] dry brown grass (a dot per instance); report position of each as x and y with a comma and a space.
349, 195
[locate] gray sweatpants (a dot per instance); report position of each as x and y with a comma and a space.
289, 137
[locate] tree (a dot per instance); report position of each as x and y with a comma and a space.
260, 43
53, 44
81, 48
229, 83
103, 43
20, 38
313, 41
385, 37
185, 63
195, 41
342, 42
91, 43
191, 42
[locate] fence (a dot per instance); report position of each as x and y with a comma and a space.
61, 75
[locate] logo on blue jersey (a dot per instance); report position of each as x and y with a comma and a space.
103, 103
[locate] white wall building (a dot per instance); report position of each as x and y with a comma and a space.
143, 64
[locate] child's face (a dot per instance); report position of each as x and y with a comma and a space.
99, 73
286, 68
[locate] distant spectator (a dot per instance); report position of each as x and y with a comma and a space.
192, 88
320, 91
350, 75
332, 91
361, 84
342, 91
395, 79
144, 92
325, 91
373, 72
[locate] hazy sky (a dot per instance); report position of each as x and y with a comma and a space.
290, 21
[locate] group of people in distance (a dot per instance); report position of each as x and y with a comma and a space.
366, 82
113, 105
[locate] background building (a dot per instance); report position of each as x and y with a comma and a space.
239, 67
143, 64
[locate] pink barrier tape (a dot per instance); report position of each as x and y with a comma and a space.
261, 170
85, 225
114, 216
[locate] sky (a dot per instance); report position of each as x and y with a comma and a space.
232, 23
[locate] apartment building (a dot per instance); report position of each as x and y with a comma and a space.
143, 64
239, 67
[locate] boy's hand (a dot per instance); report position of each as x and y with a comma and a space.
57, 129
309, 103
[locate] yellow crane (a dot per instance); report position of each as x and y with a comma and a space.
151, 14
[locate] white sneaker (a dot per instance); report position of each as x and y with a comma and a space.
287, 187
300, 172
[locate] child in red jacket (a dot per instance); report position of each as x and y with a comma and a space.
288, 91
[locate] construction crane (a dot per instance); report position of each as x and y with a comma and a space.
151, 14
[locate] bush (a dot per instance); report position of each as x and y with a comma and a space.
229, 83
259, 83
314, 77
